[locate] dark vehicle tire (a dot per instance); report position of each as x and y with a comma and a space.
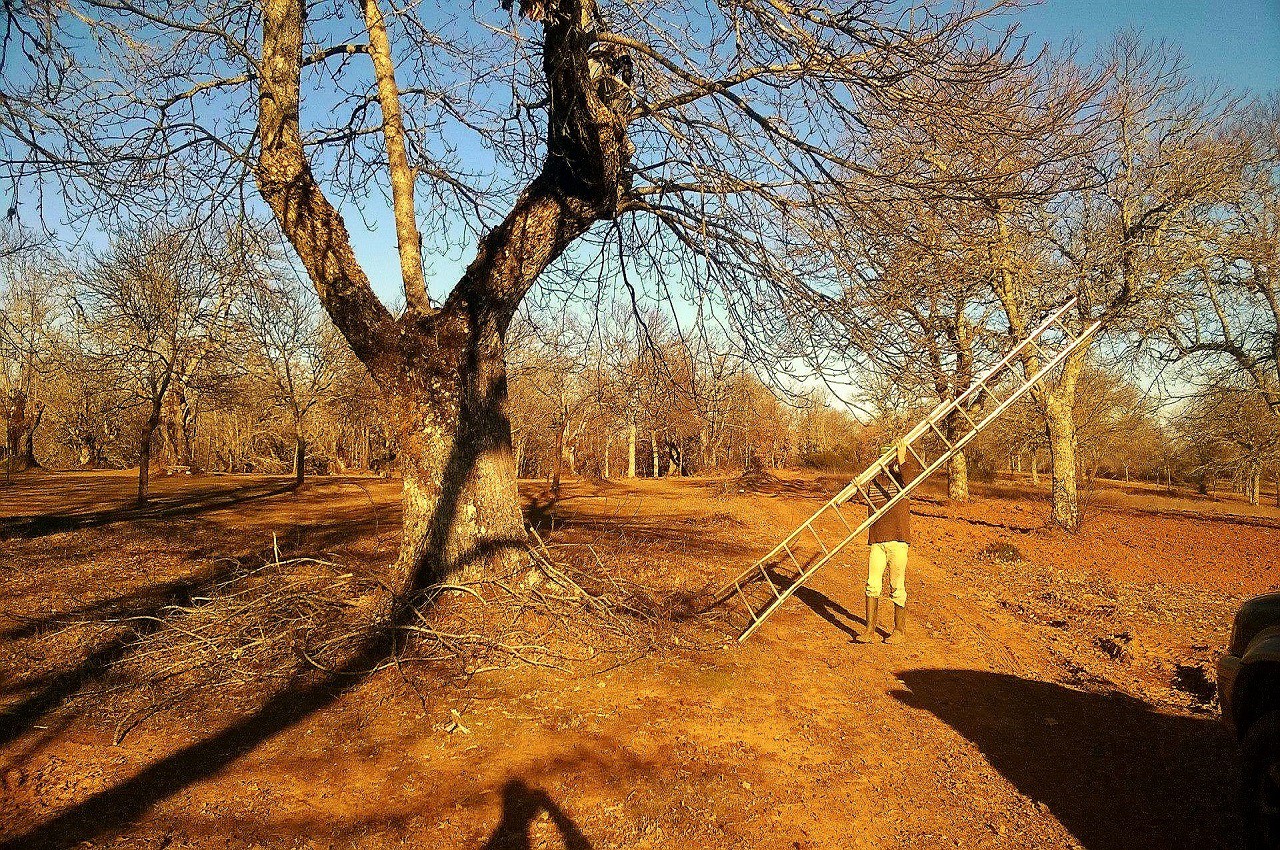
1261, 785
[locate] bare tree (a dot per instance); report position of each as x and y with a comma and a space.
154, 305
669, 136
294, 357
28, 315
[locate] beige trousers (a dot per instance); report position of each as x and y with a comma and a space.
894, 555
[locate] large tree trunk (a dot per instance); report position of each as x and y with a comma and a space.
443, 366
461, 507
1062, 453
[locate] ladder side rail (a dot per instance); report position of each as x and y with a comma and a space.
802, 578
911, 485
1004, 362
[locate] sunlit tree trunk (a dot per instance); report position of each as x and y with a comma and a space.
1062, 454
631, 450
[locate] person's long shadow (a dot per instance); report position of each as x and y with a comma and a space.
1116, 772
521, 805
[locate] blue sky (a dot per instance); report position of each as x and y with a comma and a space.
1233, 42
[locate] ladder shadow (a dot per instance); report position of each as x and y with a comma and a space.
830, 610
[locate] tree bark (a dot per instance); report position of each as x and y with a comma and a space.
631, 450
1035, 467
653, 444
1062, 453
958, 478
299, 454
461, 507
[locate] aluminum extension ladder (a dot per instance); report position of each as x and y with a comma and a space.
773, 578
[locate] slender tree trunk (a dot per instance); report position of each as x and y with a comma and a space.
958, 478
1062, 452
1255, 486
144, 455
299, 454
631, 450
1035, 467
958, 465
28, 457
653, 444
557, 463
608, 449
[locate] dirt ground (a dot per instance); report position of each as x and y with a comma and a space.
1057, 691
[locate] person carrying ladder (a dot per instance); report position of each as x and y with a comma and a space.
888, 538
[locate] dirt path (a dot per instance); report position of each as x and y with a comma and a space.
1003, 723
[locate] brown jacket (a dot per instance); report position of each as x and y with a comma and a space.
896, 524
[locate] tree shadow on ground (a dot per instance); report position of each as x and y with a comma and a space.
521, 806
1115, 771
158, 507
110, 811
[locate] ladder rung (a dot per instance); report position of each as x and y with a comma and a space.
861, 485
769, 581
814, 532
942, 437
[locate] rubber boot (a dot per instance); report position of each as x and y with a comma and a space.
899, 625
869, 634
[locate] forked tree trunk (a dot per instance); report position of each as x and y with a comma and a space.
1062, 452
442, 367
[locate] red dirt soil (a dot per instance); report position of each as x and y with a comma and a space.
1051, 694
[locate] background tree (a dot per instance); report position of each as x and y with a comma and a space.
28, 318
676, 135
294, 355
154, 305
